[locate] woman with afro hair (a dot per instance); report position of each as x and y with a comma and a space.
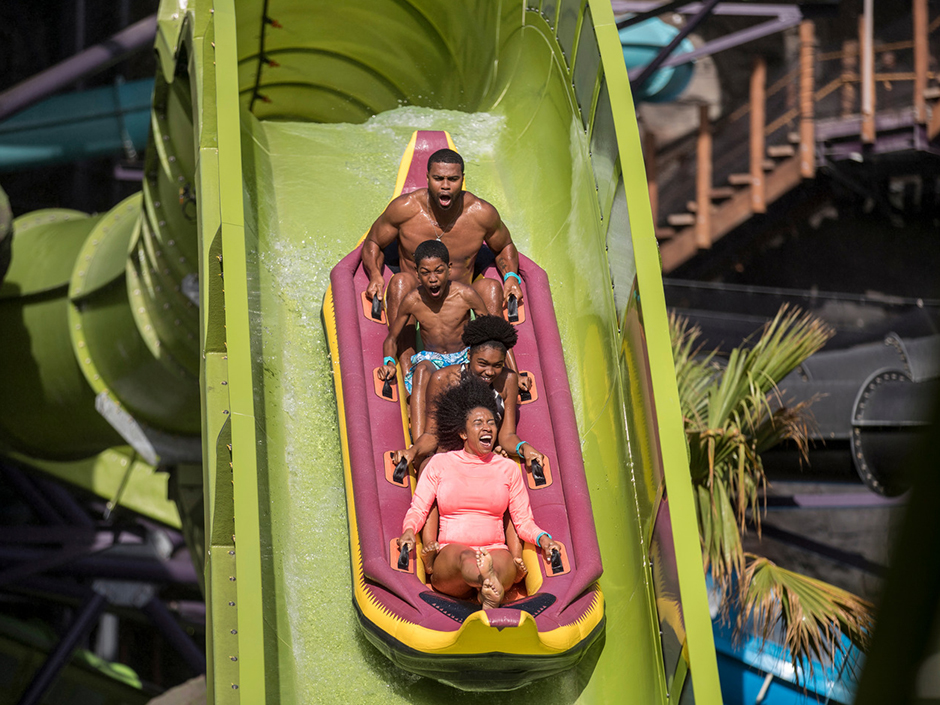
489, 339
473, 488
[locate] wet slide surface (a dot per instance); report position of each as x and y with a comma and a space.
311, 191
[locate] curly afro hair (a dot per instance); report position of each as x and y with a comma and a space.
490, 332
454, 406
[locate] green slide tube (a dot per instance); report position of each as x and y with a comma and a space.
277, 131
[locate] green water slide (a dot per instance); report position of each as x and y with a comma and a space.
277, 131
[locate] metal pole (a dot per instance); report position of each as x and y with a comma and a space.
655, 12
60, 656
689, 27
37, 501
174, 634
87, 63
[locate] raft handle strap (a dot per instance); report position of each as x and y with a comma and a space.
512, 309
387, 390
557, 565
377, 308
403, 558
537, 473
400, 470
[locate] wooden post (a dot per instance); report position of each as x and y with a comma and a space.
758, 104
649, 150
703, 181
849, 76
807, 89
867, 62
920, 60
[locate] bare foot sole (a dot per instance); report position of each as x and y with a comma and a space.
521, 570
491, 592
428, 554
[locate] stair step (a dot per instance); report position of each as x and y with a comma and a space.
680, 219
664, 233
720, 193
739, 179
779, 151
691, 206
769, 165
931, 92
793, 137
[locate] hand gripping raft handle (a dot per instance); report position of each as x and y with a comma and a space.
377, 308
512, 309
405, 549
387, 390
400, 470
524, 394
538, 474
557, 565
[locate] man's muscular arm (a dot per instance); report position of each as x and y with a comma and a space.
383, 232
500, 242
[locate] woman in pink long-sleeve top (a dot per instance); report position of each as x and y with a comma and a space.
473, 488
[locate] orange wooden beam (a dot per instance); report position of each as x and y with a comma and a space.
807, 89
758, 105
921, 59
703, 181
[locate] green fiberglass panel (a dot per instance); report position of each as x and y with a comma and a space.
328, 104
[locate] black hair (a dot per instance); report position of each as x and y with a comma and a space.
430, 249
489, 332
454, 406
445, 156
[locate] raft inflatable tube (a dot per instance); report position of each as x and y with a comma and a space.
545, 628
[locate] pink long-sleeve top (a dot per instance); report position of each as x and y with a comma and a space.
472, 494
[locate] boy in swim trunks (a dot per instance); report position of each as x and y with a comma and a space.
442, 308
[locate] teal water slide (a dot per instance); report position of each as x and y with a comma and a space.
276, 134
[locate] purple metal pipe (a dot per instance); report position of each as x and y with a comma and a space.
83, 64
174, 634
29, 561
64, 502
60, 656
28, 491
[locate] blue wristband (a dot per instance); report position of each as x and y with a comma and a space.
513, 275
544, 533
519, 445
389, 360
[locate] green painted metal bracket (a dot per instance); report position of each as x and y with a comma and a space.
662, 371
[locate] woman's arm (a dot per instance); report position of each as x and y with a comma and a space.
521, 513
425, 494
508, 438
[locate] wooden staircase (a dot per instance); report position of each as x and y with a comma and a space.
777, 168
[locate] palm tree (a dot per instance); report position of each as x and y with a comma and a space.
733, 412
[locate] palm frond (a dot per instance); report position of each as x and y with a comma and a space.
810, 613
733, 413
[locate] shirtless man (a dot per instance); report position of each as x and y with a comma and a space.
442, 308
444, 212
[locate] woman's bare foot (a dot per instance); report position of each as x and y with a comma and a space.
491, 592
521, 570
428, 554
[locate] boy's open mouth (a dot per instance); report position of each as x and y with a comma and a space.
434, 289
